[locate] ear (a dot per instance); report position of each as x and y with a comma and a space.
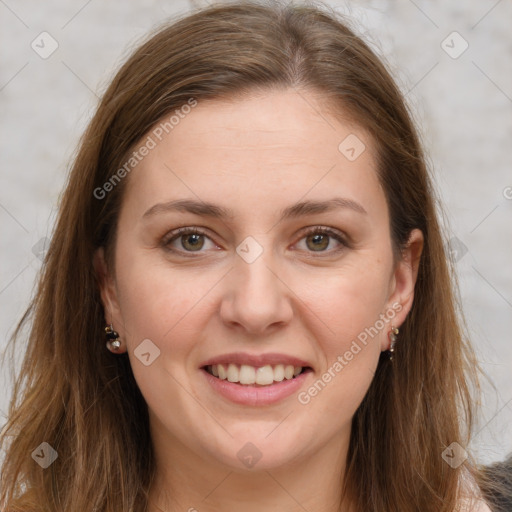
108, 292
401, 294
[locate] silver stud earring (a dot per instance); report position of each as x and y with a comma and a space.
392, 338
113, 341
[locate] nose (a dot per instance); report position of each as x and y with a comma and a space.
256, 298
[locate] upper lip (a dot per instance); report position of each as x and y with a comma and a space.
256, 360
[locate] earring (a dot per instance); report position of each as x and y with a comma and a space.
113, 341
392, 338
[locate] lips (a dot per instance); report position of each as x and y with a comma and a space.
255, 395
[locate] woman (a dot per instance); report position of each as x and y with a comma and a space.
309, 356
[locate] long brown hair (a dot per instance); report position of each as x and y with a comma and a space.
74, 395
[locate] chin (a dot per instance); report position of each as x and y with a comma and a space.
248, 452
249, 458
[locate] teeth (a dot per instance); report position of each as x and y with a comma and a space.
288, 372
264, 375
233, 373
245, 374
279, 372
220, 370
248, 374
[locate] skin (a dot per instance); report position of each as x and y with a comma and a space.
256, 156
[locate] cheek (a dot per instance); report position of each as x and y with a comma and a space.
351, 307
157, 301
165, 306
348, 301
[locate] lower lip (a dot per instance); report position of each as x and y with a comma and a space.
256, 395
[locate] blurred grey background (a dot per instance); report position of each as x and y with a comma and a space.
453, 61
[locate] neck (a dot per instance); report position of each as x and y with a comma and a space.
188, 481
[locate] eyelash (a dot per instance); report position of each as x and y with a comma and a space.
173, 235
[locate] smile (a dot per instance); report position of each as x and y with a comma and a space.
255, 385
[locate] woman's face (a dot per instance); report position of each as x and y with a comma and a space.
259, 289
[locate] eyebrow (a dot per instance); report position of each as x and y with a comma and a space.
299, 209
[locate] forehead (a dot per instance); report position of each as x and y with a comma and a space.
264, 151
276, 121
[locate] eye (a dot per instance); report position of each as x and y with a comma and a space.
317, 239
188, 239
191, 239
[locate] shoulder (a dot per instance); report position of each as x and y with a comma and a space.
472, 499
473, 504
480, 506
